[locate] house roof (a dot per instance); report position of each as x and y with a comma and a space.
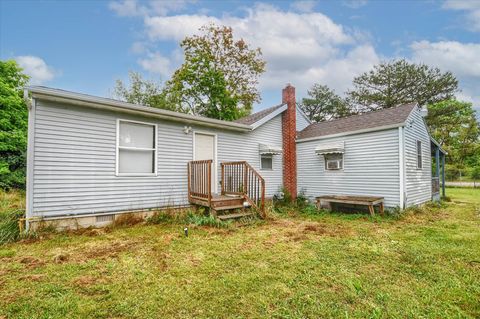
57, 95
255, 117
391, 117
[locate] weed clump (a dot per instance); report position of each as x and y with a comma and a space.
9, 230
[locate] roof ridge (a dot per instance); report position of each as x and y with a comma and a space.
366, 113
369, 120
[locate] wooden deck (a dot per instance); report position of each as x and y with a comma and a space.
242, 189
369, 201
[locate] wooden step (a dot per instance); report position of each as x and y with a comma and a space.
232, 216
228, 207
225, 203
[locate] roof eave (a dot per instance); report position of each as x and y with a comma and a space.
367, 130
268, 117
108, 104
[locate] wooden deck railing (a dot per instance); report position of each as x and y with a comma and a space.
200, 180
239, 178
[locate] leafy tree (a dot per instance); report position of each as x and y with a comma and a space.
454, 125
475, 173
142, 91
399, 81
323, 104
219, 76
13, 125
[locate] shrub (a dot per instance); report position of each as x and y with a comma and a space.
161, 217
9, 230
205, 220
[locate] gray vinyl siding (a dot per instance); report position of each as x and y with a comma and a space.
75, 157
371, 167
302, 122
418, 182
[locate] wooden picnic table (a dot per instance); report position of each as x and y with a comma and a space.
369, 201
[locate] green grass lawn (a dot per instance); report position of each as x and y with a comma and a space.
425, 264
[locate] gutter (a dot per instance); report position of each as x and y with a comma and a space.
54, 95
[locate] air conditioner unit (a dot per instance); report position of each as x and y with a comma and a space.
334, 164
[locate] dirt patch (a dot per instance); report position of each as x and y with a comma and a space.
60, 258
85, 281
38, 277
91, 232
31, 262
107, 251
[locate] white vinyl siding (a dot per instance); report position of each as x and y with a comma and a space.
370, 167
419, 155
75, 161
302, 122
418, 181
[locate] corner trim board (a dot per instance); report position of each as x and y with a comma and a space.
30, 162
401, 161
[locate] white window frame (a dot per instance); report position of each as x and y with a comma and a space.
419, 154
118, 147
340, 160
261, 166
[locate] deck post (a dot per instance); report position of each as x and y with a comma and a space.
209, 184
245, 178
443, 175
188, 171
437, 161
223, 178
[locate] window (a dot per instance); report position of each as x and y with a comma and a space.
266, 162
136, 153
333, 161
419, 155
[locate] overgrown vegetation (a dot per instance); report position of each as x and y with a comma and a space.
11, 210
13, 126
425, 264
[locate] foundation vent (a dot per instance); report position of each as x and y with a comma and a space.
105, 218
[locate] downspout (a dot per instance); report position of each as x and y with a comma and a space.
401, 165
31, 104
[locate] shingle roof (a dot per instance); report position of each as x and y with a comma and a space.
384, 117
255, 117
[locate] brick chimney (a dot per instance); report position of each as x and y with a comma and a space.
289, 132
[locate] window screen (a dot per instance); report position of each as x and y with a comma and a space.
266, 162
136, 148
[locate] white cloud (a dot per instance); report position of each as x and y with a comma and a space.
471, 9
459, 58
354, 4
303, 5
301, 48
36, 68
131, 8
157, 63
126, 8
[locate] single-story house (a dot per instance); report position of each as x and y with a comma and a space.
91, 159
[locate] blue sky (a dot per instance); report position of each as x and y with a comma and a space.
85, 46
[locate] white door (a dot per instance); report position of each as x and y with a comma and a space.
204, 149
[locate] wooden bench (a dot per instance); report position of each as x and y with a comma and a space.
369, 201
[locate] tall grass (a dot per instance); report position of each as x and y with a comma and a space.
12, 207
